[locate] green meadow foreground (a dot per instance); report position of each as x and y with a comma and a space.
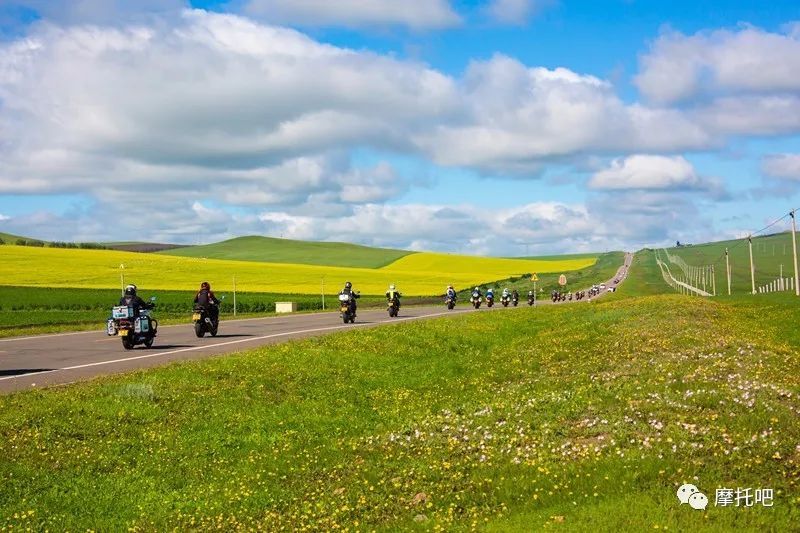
584, 417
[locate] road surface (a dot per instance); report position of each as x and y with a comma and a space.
45, 360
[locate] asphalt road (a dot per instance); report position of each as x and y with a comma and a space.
46, 360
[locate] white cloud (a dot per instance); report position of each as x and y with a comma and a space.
648, 172
748, 60
516, 12
3, 217
784, 166
416, 14
517, 117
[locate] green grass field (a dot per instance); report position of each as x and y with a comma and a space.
272, 250
584, 417
769, 253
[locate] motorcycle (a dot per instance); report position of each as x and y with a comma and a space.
203, 323
347, 308
489, 300
133, 329
505, 300
514, 300
393, 307
531, 300
475, 300
450, 302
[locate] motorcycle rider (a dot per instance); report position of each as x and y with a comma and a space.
393, 294
505, 293
206, 299
514, 295
348, 289
490, 294
131, 299
450, 293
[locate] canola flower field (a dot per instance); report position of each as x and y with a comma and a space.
581, 418
419, 274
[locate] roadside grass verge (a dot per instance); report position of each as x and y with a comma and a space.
585, 417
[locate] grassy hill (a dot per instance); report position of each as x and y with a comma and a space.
272, 250
10, 238
574, 418
769, 253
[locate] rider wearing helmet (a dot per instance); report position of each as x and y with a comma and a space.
490, 293
505, 292
393, 293
131, 299
206, 299
348, 289
451, 292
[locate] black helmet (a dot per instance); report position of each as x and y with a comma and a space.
348, 285
130, 290
205, 285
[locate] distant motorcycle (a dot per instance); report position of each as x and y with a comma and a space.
505, 300
489, 300
514, 300
393, 306
133, 328
475, 300
450, 302
531, 299
347, 308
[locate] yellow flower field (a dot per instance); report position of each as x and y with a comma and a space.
416, 274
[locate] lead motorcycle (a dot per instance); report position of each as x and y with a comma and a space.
393, 306
489, 300
347, 308
132, 327
531, 299
505, 299
450, 302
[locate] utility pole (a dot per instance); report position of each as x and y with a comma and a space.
794, 250
752, 268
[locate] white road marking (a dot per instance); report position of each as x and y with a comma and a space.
194, 348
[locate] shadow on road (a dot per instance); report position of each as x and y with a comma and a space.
166, 346
21, 371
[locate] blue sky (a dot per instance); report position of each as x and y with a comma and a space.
483, 126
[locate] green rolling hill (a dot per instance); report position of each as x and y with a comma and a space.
771, 254
272, 250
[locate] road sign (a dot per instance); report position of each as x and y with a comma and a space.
562, 280
534, 277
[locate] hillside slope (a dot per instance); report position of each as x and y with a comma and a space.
272, 250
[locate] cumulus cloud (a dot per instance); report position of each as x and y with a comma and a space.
416, 14
747, 60
517, 117
783, 166
648, 172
